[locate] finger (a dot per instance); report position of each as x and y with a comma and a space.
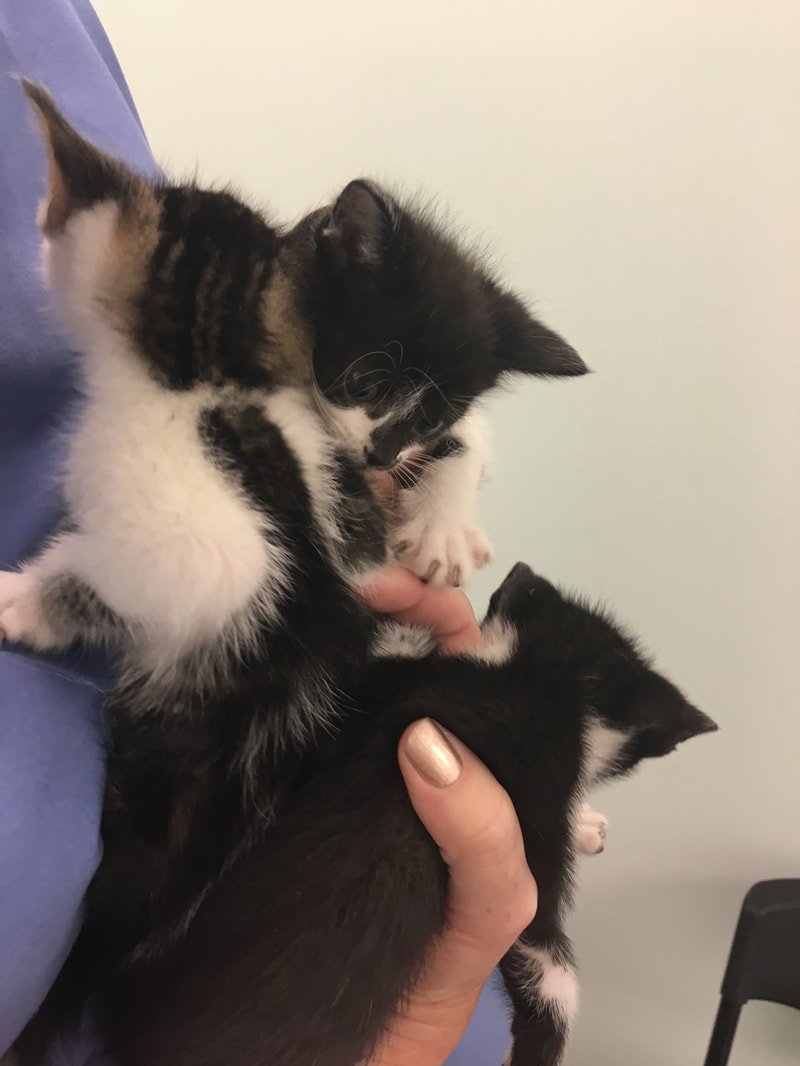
382, 484
492, 893
446, 611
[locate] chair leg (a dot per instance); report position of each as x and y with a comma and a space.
719, 1047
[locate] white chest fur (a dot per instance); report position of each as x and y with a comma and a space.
167, 539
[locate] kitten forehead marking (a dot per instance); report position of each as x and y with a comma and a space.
353, 426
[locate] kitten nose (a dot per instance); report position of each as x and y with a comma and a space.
380, 461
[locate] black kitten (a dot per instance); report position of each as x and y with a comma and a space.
302, 953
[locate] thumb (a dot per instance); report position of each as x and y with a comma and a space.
492, 894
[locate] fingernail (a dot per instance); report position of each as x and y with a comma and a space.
432, 755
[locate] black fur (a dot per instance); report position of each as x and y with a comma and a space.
301, 954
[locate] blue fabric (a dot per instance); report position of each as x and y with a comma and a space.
488, 1035
51, 735
51, 751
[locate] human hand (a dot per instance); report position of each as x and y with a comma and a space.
492, 893
445, 611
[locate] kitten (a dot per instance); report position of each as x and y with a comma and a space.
302, 953
410, 333
216, 527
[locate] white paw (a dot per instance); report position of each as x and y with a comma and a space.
22, 620
439, 553
590, 831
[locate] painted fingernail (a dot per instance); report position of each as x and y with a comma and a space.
432, 755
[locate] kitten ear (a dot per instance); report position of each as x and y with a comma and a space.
521, 592
80, 175
528, 346
359, 227
662, 716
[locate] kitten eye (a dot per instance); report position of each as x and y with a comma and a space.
362, 386
426, 426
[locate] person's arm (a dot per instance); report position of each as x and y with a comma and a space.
492, 895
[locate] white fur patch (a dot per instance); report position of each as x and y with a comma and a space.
352, 426
500, 642
167, 540
589, 831
554, 983
294, 414
74, 263
396, 641
291, 411
602, 745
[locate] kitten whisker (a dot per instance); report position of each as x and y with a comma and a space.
349, 369
431, 381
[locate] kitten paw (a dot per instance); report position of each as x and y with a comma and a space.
439, 554
590, 831
22, 620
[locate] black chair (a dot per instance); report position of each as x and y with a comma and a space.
764, 962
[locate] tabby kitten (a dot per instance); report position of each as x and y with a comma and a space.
216, 527
301, 954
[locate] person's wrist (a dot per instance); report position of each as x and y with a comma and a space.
428, 1028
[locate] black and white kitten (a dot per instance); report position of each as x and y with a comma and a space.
301, 954
216, 527
409, 334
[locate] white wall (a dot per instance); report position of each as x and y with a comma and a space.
637, 167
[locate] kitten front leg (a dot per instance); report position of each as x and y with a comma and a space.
438, 536
541, 982
47, 607
589, 835
22, 616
